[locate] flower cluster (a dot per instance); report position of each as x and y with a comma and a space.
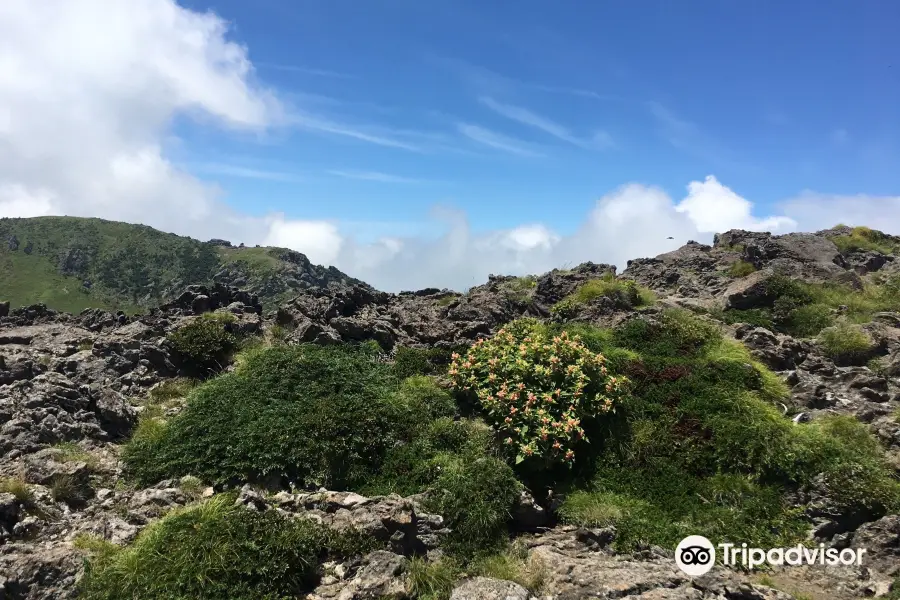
537, 389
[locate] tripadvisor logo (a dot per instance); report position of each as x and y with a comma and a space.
696, 555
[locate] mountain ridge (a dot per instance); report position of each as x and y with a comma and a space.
73, 263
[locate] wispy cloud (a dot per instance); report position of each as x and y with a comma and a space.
230, 170
532, 119
316, 123
304, 70
497, 140
374, 176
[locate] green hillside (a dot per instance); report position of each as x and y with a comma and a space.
71, 263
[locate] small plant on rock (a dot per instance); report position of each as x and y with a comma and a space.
537, 389
845, 343
741, 268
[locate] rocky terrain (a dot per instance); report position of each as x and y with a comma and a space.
73, 389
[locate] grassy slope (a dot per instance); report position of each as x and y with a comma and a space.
129, 266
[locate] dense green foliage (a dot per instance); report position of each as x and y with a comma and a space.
210, 551
536, 389
313, 415
804, 309
206, 343
423, 361
700, 446
623, 292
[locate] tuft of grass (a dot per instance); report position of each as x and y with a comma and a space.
865, 239
72, 452
624, 292
741, 268
192, 486
514, 564
846, 343
85, 345
432, 580
18, 488
171, 389
213, 550
520, 289
65, 488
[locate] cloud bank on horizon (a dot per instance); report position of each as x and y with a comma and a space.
85, 118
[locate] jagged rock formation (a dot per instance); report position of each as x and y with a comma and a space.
78, 378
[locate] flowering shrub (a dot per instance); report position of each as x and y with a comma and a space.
537, 389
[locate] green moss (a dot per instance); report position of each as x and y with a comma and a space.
741, 268
213, 550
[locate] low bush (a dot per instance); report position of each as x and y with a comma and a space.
741, 268
623, 292
537, 390
700, 444
213, 550
316, 416
422, 361
205, 344
865, 239
476, 499
846, 343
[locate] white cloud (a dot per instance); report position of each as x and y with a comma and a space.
710, 205
319, 240
817, 211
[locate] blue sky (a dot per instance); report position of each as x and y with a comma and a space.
532, 110
431, 143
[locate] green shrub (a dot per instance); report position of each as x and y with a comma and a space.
422, 398
214, 550
205, 344
537, 389
422, 361
865, 239
476, 499
741, 268
846, 343
317, 416
441, 445
623, 292
700, 444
